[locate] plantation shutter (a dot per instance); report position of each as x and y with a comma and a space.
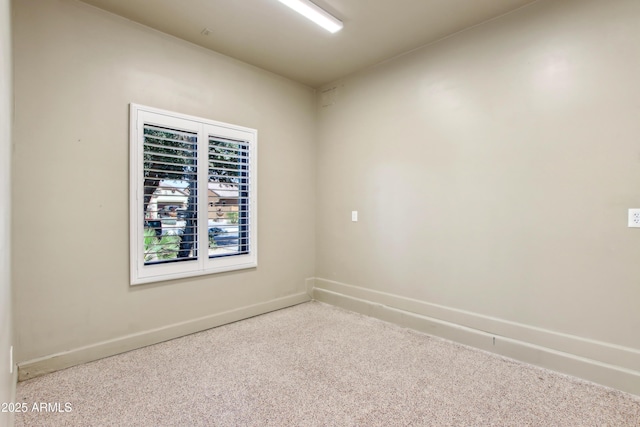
193, 196
229, 189
170, 202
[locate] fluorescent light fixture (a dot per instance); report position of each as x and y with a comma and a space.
315, 13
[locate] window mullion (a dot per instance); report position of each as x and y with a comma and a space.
203, 194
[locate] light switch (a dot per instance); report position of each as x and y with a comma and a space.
634, 218
354, 216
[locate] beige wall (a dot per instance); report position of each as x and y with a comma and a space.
6, 379
77, 70
492, 172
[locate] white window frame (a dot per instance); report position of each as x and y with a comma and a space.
145, 273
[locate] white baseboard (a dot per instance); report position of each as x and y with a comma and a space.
603, 363
43, 365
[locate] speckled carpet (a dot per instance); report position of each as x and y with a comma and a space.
317, 365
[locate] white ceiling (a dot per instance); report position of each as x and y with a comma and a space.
269, 35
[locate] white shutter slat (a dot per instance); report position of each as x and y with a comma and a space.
229, 167
170, 157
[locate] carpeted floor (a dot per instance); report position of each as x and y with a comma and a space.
317, 365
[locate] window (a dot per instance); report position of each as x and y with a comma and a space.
193, 196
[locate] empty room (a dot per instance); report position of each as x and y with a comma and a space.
415, 212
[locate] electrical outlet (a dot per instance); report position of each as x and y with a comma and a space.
11, 360
634, 218
354, 216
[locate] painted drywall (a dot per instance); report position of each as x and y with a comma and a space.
492, 172
77, 68
7, 381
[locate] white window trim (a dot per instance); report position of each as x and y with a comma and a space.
141, 273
